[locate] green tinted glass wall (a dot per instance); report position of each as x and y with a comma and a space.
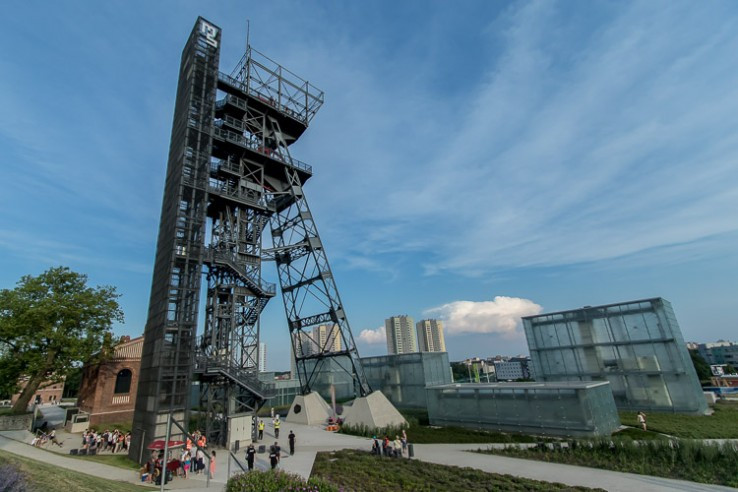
403, 377
549, 409
637, 346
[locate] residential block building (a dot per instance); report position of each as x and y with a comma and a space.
262, 357
719, 353
430, 336
401, 336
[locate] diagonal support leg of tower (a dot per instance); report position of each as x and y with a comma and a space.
309, 291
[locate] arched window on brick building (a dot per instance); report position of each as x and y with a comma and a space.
123, 381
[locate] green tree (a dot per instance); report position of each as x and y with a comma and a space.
72, 382
49, 325
729, 369
702, 367
459, 371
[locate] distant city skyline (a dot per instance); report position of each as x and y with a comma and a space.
555, 155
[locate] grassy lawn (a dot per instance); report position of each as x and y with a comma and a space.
723, 424
634, 434
680, 459
121, 426
40, 476
356, 470
120, 460
419, 432
423, 434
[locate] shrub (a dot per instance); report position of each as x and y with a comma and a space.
11, 479
682, 459
365, 431
276, 481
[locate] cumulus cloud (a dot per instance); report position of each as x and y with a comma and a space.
373, 336
500, 315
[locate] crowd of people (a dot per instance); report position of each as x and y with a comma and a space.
390, 448
113, 441
275, 450
191, 459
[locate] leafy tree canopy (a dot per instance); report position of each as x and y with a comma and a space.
702, 367
49, 325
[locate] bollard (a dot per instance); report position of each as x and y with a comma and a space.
410, 451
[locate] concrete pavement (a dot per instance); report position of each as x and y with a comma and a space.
459, 455
310, 440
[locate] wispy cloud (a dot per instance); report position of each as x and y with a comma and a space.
577, 144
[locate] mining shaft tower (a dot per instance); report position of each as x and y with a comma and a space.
230, 178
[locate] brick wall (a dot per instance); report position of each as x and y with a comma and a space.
47, 392
97, 391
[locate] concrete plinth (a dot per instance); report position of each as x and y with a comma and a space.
373, 411
310, 409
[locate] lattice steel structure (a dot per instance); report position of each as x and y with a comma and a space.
231, 176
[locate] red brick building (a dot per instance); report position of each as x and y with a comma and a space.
108, 390
46, 393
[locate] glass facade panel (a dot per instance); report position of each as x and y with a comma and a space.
636, 346
403, 377
553, 409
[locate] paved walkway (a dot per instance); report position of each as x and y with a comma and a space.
16, 442
311, 440
457, 455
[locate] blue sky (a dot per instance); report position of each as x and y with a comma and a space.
475, 161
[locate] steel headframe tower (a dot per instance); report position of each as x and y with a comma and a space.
230, 176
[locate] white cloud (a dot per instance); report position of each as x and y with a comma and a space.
499, 316
373, 336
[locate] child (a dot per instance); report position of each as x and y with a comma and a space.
212, 466
187, 463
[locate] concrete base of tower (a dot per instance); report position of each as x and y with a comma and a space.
310, 409
374, 411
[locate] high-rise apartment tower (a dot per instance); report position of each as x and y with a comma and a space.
262, 357
401, 338
430, 335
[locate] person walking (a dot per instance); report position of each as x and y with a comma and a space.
274, 452
397, 444
52, 438
261, 429
291, 438
276, 427
642, 420
250, 455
